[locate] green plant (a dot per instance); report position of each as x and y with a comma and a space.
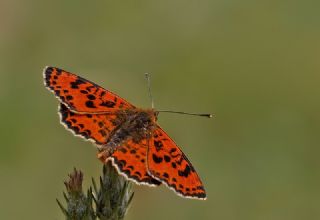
108, 201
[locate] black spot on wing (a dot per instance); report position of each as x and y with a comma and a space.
91, 97
90, 104
167, 158
185, 172
69, 97
100, 124
158, 145
156, 159
102, 93
172, 150
59, 71
108, 104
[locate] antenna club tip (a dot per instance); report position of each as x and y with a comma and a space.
208, 115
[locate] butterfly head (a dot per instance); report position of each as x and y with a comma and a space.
152, 115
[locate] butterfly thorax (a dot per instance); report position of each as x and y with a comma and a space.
131, 124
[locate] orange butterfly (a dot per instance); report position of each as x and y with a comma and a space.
126, 135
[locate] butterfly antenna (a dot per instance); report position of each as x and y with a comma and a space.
147, 75
187, 113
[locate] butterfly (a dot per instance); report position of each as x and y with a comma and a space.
127, 136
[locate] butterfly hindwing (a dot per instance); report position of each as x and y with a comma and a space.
130, 161
94, 127
168, 164
81, 95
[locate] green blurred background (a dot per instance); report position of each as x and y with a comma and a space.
254, 64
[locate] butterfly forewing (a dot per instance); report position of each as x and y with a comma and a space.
81, 95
